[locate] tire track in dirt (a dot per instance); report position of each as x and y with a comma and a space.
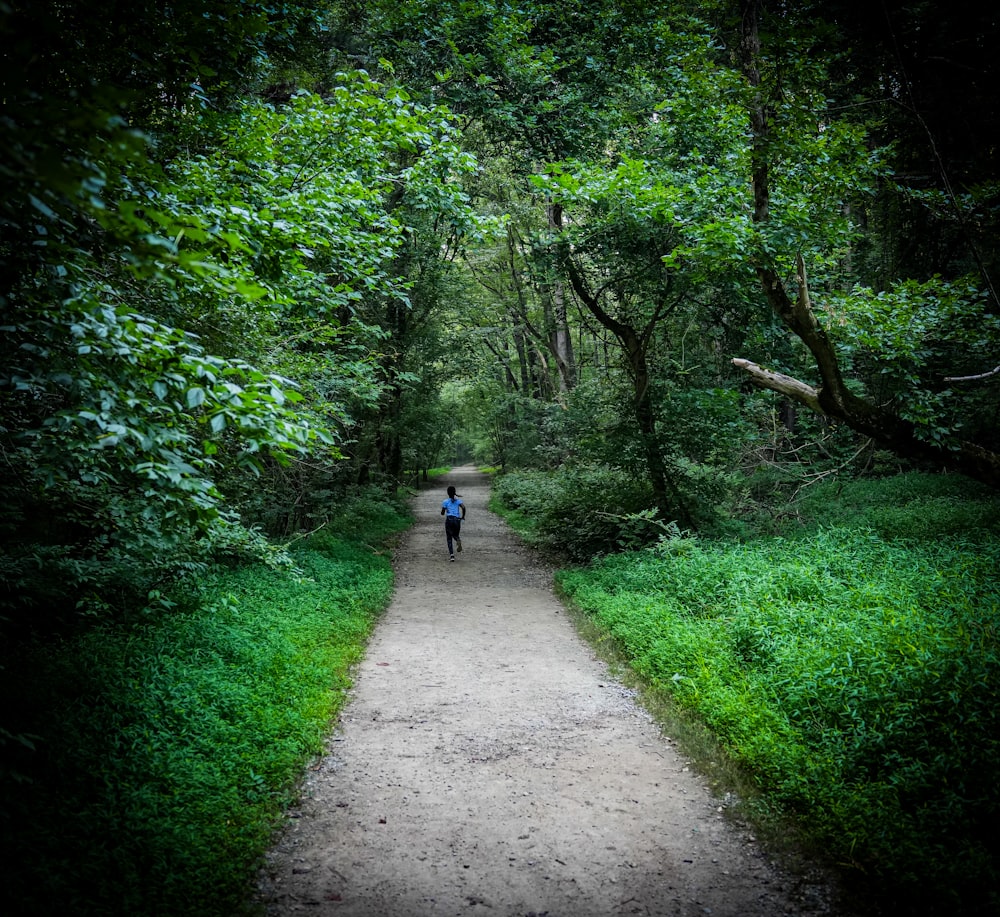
487, 763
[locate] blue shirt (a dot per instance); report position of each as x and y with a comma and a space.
453, 507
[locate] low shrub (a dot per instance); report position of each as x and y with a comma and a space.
906, 506
578, 511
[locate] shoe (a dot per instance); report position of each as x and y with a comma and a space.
453, 557
458, 545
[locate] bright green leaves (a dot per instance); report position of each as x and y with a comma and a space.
188, 322
904, 325
818, 173
673, 179
309, 195
633, 188
150, 402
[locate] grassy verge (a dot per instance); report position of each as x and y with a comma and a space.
164, 752
850, 666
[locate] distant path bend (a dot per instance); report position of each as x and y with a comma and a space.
487, 764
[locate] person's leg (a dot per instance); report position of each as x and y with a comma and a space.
448, 535
458, 535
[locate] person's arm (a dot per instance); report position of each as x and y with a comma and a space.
442, 510
463, 509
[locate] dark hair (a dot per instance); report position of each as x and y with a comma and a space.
451, 492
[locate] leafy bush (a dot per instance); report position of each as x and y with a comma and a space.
854, 675
578, 511
164, 752
701, 432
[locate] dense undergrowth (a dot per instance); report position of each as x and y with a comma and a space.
577, 513
849, 662
163, 751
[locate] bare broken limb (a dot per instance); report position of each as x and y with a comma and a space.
977, 378
784, 385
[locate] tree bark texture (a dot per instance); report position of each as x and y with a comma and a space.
561, 343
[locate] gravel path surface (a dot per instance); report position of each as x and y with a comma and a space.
488, 764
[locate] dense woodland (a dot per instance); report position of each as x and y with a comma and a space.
711, 286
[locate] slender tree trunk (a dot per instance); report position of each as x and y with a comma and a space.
522, 356
666, 495
500, 351
550, 345
561, 343
540, 372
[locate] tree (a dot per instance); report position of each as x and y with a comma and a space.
529, 329
914, 436
533, 84
156, 312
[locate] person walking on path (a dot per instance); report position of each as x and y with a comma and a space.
453, 510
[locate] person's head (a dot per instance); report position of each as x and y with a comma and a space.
451, 491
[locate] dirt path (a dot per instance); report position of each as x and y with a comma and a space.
488, 764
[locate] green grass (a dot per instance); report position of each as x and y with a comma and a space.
849, 665
166, 751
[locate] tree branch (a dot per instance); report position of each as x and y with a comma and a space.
782, 384
977, 378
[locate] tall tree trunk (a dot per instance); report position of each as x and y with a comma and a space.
538, 356
665, 493
522, 355
561, 343
500, 351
